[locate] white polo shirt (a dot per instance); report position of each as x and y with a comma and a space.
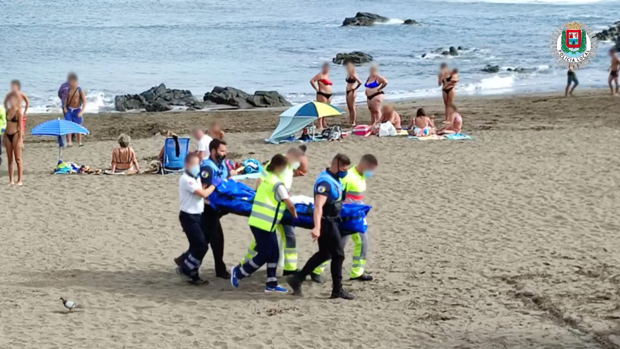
188, 201
203, 145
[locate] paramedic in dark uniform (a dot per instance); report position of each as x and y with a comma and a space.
212, 171
191, 205
328, 196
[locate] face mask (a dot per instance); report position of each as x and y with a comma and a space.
295, 165
220, 158
368, 173
341, 174
194, 170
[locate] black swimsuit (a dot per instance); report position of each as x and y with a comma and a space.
15, 119
350, 81
613, 73
448, 89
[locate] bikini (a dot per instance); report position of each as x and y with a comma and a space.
10, 136
373, 84
326, 83
350, 81
447, 90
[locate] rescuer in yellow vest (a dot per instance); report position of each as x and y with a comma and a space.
294, 157
271, 199
354, 185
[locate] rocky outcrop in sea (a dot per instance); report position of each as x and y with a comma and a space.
157, 99
364, 19
610, 34
356, 58
451, 51
237, 98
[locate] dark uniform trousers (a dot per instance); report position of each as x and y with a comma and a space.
330, 247
214, 235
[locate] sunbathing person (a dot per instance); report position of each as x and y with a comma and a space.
388, 114
421, 125
124, 158
455, 121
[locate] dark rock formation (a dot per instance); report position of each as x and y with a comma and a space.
158, 98
453, 51
410, 22
353, 57
491, 69
364, 19
240, 99
611, 34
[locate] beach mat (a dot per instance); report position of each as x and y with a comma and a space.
453, 137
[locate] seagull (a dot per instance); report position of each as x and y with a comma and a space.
68, 304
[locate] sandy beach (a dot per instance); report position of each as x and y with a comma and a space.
510, 240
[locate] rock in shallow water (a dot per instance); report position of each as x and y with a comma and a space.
410, 22
240, 99
491, 69
364, 19
353, 57
158, 98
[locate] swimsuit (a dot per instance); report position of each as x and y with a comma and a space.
373, 84
572, 77
72, 114
613, 73
10, 136
350, 81
448, 89
326, 83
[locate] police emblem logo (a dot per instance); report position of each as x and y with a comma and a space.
573, 45
204, 174
322, 189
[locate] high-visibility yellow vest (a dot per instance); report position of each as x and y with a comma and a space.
354, 185
286, 176
266, 210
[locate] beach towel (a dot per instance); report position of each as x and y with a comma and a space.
452, 137
362, 130
457, 137
236, 198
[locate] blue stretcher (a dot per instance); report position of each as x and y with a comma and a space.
236, 198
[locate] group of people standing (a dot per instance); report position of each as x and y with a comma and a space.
337, 184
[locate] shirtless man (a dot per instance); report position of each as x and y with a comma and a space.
16, 89
389, 114
74, 106
613, 71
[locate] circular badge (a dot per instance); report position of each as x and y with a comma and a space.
573, 45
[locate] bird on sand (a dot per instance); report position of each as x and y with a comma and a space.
68, 304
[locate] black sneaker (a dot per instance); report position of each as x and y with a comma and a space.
295, 285
192, 280
223, 275
290, 272
179, 261
342, 294
364, 277
317, 278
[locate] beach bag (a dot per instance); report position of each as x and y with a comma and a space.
333, 133
386, 129
252, 166
362, 130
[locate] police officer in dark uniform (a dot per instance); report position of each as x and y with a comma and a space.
213, 170
328, 196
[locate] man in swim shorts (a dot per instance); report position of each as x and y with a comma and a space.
74, 106
613, 71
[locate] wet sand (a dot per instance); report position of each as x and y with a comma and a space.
506, 241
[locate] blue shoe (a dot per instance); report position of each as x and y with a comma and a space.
277, 289
233, 278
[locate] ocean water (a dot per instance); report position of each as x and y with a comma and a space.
127, 46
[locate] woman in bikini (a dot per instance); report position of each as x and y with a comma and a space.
16, 88
448, 84
455, 122
421, 125
13, 136
374, 94
124, 157
353, 83
323, 87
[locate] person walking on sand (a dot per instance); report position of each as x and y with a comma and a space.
16, 88
448, 84
328, 196
13, 136
613, 71
572, 80
74, 106
353, 83
191, 202
374, 94
323, 87
272, 199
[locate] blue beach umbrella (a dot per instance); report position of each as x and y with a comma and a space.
58, 128
299, 116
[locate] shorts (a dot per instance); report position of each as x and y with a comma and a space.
613, 73
72, 115
572, 78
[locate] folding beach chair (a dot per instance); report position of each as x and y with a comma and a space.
175, 151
